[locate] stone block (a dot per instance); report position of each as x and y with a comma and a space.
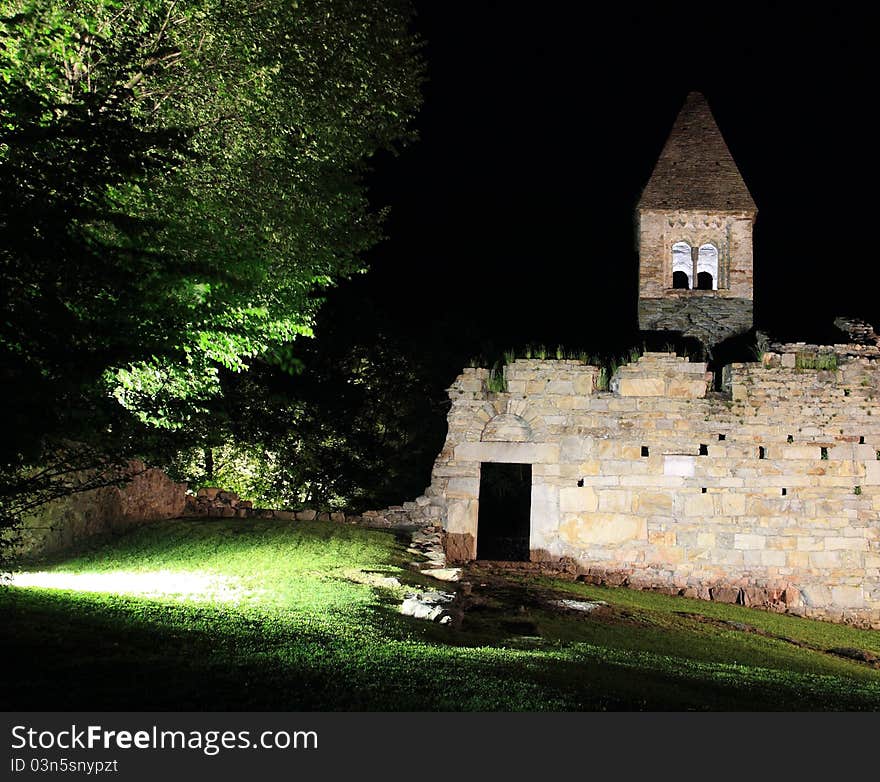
641, 386
726, 594
584, 384
461, 516
460, 547
745, 541
773, 558
840, 453
591, 467
603, 529
732, 504
872, 473
685, 388
847, 596
825, 559
699, 505
544, 514
466, 488
811, 452
574, 448
578, 499
631, 452
652, 503
847, 544
517, 453
652, 481
663, 538
613, 501
679, 464
706, 540
560, 387
761, 506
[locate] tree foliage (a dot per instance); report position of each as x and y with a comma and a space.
358, 428
177, 179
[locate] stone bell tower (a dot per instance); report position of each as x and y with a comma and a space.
695, 234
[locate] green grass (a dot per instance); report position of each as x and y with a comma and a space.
821, 361
495, 382
307, 619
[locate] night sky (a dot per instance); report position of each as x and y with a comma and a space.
512, 216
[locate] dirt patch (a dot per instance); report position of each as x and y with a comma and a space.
849, 653
859, 655
495, 599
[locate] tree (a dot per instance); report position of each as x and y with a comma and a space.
177, 180
358, 428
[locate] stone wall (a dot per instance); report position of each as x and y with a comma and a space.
217, 503
767, 495
150, 496
700, 314
692, 311
730, 232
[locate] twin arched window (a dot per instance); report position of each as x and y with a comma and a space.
695, 263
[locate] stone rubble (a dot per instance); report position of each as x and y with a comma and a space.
428, 604
583, 606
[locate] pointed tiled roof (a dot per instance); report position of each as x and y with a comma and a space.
696, 169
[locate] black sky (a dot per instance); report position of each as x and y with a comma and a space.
512, 216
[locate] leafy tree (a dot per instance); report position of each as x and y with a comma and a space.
357, 428
177, 179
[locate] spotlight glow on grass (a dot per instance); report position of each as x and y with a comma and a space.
183, 585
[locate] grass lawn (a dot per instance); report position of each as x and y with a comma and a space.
191, 615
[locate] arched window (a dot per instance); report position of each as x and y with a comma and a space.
707, 268
680, 281
682, 266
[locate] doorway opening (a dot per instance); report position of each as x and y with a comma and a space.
505, 508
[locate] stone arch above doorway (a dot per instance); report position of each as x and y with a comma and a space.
506, 428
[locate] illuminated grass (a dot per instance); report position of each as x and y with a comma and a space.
182, 585
315, 626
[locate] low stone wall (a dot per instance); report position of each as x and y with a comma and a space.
768, 495
210, 502
150, 496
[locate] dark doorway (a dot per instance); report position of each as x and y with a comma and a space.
505, 506
680, 281
704, 281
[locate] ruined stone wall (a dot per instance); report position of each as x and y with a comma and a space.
150, 496
768, 495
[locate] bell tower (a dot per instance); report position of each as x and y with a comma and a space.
695, 221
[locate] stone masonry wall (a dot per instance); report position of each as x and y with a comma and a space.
700, 314
150, 496
730, 232
711, 316
768, 495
